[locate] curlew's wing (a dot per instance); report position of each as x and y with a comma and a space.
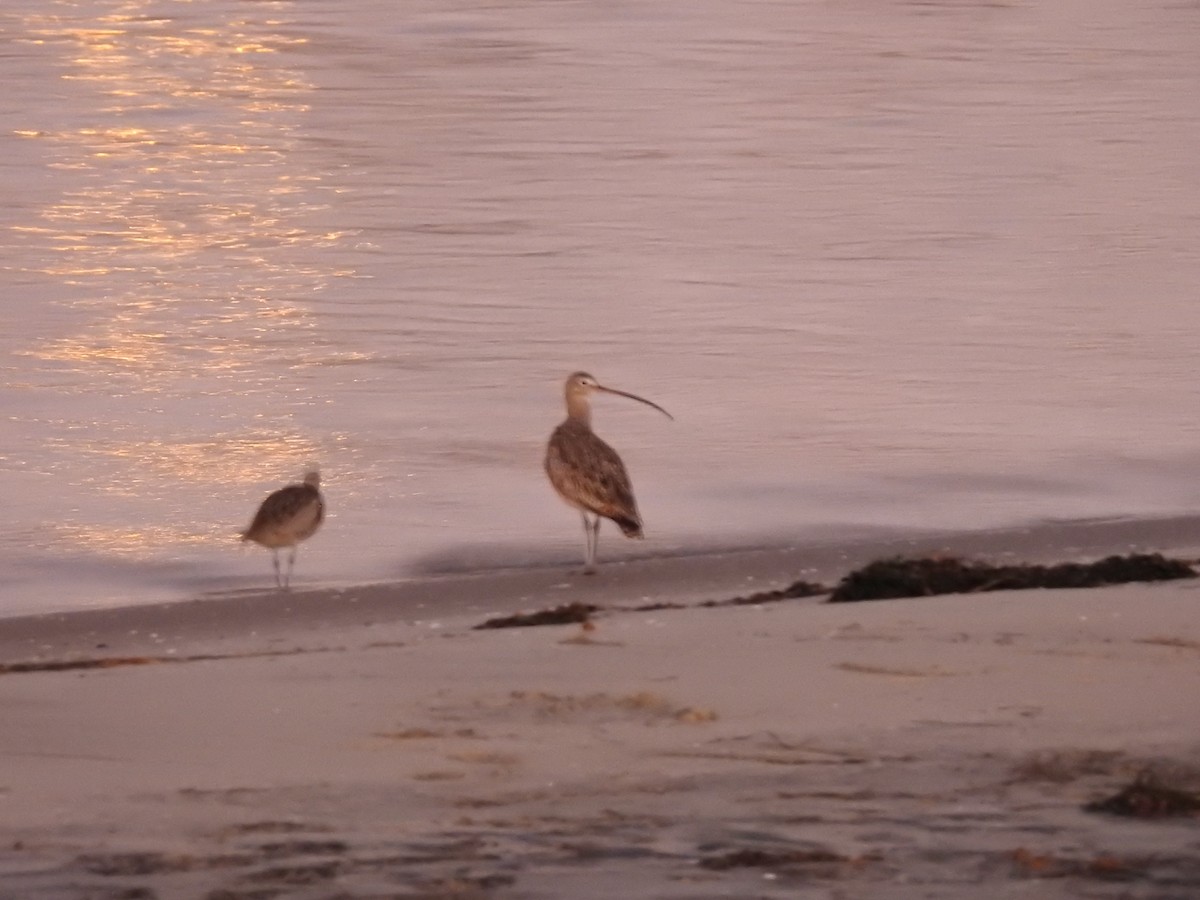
587, 473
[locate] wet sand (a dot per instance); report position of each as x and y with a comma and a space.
370, 741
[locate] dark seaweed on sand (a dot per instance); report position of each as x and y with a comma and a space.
1148, 798
750, 858
795, 590
926, 576
567, 614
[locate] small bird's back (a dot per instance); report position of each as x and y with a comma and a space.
287, 516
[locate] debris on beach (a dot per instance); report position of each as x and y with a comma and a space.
68, 665
116, 662
926, 576
794, 591
656, 606
1104, 866
1061, 766
547, 706
566, 614
1148, 798
586, 636
751, 858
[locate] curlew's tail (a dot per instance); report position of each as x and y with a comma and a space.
631, 528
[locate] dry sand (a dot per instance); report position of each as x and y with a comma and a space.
369, 742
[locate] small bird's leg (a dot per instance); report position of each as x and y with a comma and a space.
275, 563
287, 581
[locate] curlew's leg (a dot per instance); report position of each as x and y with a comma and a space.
275, 564
591, 539
587, 543
287, 579
595, 540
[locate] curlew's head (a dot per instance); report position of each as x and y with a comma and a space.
580, 386
312, 478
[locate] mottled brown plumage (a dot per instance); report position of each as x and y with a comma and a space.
589, 475
586, 472
288, 516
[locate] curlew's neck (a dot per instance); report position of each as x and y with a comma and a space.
579, 409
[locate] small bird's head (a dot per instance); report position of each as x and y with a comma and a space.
312, 478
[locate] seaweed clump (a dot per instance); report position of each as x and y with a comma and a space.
1148, 798
794, 591
888, 579
566, 614
750, 858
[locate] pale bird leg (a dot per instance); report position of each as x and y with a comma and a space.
595, 542
287, 580
587, 543
591, 541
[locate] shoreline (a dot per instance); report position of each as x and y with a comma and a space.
246, 615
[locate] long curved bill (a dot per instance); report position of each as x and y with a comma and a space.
609, 390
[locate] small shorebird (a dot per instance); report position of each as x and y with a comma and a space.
287, 517
586, 472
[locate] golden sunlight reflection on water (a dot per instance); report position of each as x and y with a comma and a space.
155, 466
181, 227
134, 543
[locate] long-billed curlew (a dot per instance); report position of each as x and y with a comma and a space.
586, 472
287, 517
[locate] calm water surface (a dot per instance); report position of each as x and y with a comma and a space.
889, 264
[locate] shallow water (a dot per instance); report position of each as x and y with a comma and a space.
924, 264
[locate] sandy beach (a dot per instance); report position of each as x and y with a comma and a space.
371, 741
